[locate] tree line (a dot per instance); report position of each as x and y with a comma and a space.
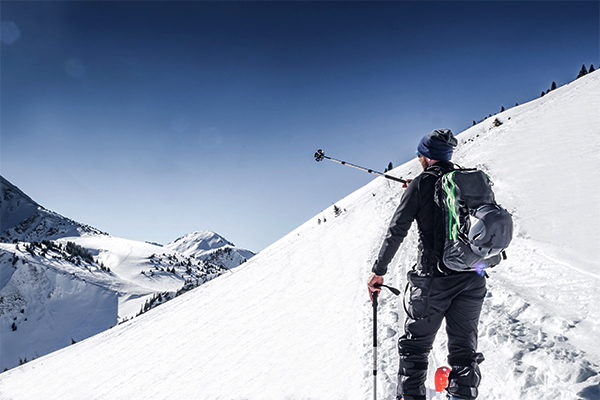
582, 72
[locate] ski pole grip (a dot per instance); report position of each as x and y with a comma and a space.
393, 178
392, 289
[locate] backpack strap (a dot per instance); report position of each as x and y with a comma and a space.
435, 170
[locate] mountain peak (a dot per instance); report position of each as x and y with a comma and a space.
198, 241
15, 206
21, 218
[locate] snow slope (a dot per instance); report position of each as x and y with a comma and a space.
48, 298
294, 322
43, 308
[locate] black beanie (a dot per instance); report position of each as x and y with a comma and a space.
438, 145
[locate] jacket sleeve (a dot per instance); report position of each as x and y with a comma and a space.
399, 226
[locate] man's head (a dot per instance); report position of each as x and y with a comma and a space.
436, 146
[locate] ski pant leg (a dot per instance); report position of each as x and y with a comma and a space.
458, 298
462, 318
421, 325
414, 353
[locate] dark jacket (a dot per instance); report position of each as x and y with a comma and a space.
417, 203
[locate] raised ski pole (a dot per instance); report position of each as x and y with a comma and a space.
375, 304
320, 156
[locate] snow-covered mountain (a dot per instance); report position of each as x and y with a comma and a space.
294, 322
211, 247
21, 218
62, 281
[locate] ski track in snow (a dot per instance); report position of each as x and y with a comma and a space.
534, 316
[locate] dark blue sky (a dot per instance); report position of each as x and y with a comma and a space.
153, 119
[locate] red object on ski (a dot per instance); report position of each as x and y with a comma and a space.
441, 378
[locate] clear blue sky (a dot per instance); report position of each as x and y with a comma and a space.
149, 120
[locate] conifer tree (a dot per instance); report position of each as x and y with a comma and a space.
591, 68
582, 72
553, 85
336, 210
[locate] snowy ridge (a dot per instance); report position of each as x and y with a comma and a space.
15, 206
294, 322
21, 218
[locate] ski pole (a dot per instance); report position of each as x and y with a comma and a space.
374, 345
375, 304
319, 156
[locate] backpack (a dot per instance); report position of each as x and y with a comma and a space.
476, 229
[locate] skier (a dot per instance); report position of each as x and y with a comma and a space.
434, 291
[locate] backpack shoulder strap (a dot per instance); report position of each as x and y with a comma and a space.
436, 170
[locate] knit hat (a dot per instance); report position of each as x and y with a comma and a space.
438, 145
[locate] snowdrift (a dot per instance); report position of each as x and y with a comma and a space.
294, 322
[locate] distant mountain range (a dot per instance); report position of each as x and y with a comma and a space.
62, 281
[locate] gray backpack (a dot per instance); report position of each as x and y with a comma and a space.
476, 229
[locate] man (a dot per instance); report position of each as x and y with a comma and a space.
434, 291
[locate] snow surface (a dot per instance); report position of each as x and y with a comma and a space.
294, 322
